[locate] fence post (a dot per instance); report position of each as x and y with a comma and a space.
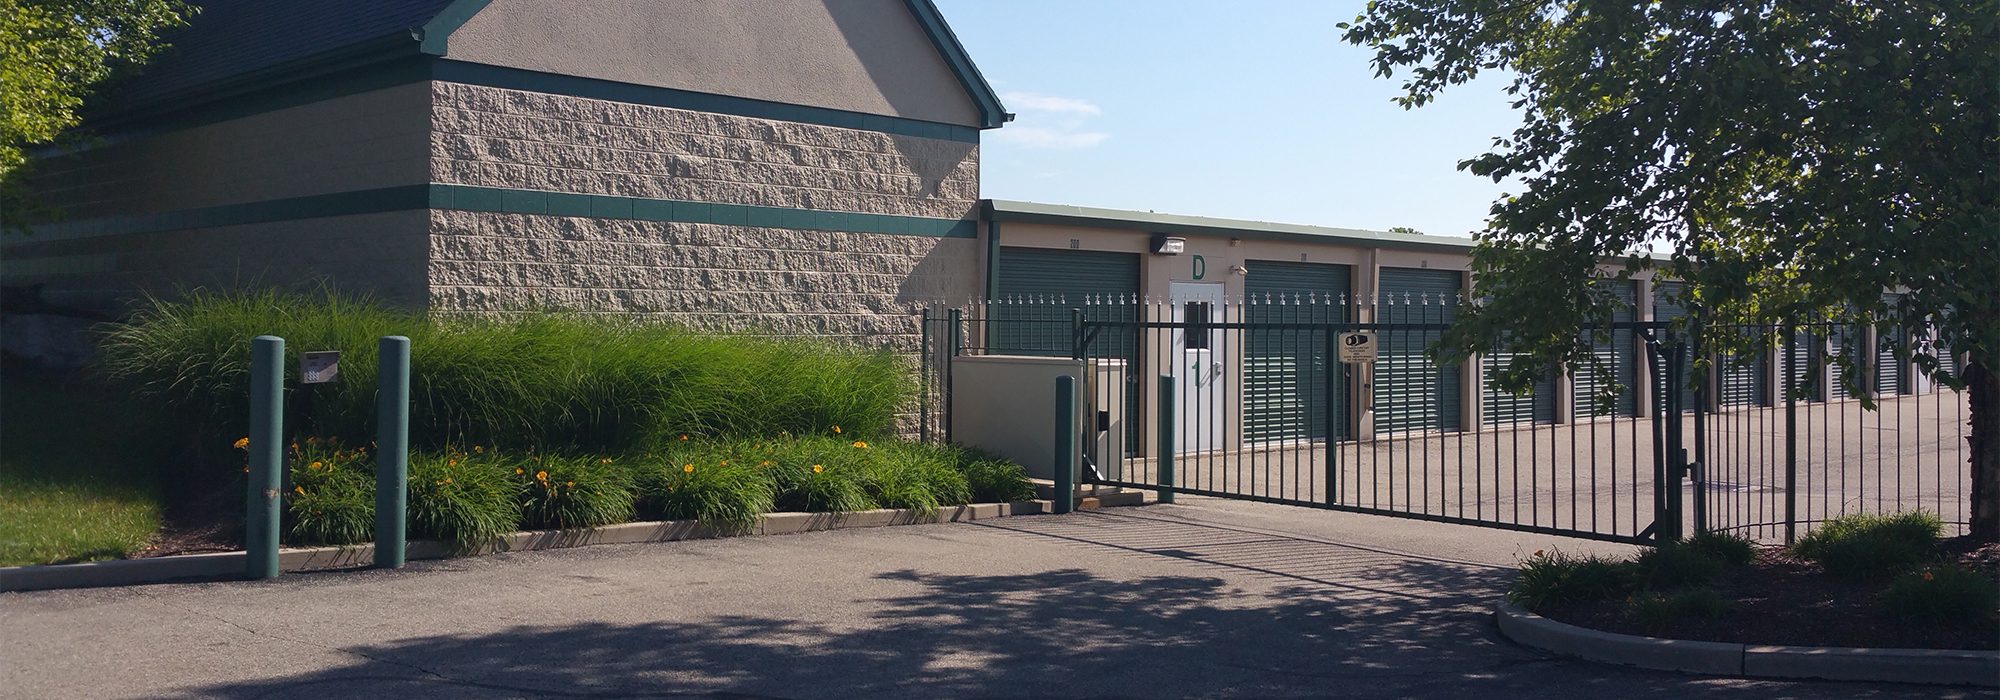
1791, 432
392, 450
1677, 462
950, 355
1166, 433
267, 456
1065, 476
924, 352
1699, 475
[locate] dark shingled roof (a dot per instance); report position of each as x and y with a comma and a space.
233, 37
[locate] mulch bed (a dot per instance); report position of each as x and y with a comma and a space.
1780, 600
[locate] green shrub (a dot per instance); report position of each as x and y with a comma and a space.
1943, 593
724, 486
1672, 565
817, 474
1658, 612
989, 479
564, 492
553, 381
1555, 578
904, 478
332, 495
1729, 548
1871, 546
466, 499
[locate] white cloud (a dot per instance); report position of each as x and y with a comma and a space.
1044, 103
1050, 122
1038, 137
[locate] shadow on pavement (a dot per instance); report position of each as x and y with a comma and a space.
1323, 620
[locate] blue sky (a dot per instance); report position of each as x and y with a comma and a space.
1244, 110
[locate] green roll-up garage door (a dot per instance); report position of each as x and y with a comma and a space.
1805, 354
1504, 407
1748, 385
1889, 370
1284, 370
1410, 392
1667, 308
1844, 342
1620, 355
1039, 286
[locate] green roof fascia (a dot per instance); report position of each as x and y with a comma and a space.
436, 34
1149, 222
389, 47
991, 113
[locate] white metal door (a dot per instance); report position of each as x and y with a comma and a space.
1199, 369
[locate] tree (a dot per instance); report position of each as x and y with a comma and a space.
1797, 158
52, 53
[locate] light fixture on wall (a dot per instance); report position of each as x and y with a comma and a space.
1239, 269
1164, 244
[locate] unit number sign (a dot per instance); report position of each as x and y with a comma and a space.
1357, 347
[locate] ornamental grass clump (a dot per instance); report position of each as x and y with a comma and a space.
1943, 593
1729, 548
816, 474
1659, 611
723, 485
553, 381
331, 499
1555, 578
565, 492
1676, 564
1863, 546
903, 478
988, 479
468, 499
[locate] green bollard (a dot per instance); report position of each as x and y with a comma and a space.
392, 450
1166, 431
1065, 476
267, 456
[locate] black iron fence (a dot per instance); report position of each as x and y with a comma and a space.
1263, 408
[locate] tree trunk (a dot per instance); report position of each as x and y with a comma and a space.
1984, 386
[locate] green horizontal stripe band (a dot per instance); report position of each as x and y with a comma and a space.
512, 201
374, 201
499, 200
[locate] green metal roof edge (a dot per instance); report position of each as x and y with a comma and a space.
991, 113
1058, 214
436, 34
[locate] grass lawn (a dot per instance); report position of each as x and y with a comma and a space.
72, 486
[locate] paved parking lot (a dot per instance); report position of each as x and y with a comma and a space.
1206, 599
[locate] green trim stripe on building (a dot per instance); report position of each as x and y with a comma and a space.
500, 200
402, 69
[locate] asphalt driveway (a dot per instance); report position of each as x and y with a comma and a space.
1205, 599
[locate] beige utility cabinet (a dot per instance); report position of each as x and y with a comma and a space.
1006, 404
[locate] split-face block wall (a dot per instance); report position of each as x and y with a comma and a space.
794, 166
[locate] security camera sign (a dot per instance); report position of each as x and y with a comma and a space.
319, 367
1357, 347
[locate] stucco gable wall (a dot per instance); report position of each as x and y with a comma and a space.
867, 56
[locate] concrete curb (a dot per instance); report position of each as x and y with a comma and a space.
1928, 666
225, 565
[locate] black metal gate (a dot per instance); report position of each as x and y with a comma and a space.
1258, 408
